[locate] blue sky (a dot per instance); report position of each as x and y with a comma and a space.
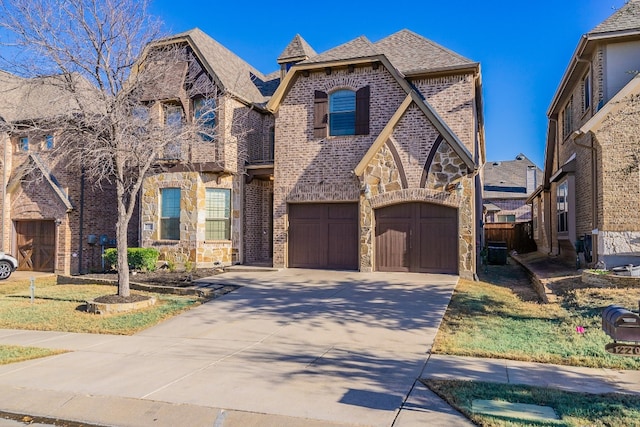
523, 46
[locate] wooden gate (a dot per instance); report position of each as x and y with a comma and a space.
517, 235
36, 242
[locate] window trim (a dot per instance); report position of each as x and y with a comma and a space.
23, 144
567, 119
336, 99
562, 208
225, 219
165, 232
586, 93
49, 142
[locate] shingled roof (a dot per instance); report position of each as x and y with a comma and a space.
408, 52
360, 47
625, 18
298, 48
36, 98
508, 179
233, 73
412, 53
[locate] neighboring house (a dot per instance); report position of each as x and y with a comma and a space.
51, 216
506, 187
377, 151
590, 194
210, 203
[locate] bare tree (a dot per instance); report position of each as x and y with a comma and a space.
97, 53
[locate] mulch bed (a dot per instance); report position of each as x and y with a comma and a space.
162, 277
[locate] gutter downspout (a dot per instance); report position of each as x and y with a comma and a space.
81, 221
4, 191
594, 188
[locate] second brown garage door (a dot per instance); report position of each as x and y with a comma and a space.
417, 237
323, 235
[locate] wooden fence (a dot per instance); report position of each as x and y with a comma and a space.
517, 235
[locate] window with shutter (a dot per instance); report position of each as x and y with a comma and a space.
342, 113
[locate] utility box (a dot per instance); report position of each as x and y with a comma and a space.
497, 253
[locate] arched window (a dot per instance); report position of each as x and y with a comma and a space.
342, 112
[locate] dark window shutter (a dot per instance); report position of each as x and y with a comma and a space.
320, 110
362, 111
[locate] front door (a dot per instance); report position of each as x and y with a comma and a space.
36, 242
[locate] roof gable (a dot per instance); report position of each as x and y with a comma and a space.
39, 166
432, 116
234, 74
297, 48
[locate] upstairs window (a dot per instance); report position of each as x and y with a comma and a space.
48, 142
567, 120
586, 93
344, 112
170, 214
23, 144
173, 118
204, 114
218, 214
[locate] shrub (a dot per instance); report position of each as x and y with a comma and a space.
143, 259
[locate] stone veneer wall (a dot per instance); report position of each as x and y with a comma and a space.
386, 184
192, 245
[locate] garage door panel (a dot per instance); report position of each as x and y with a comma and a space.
417, 237
436, 250
343, 245
35, 245
392, 238
323, 235
306, 253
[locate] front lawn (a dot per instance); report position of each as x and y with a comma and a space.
61, 308
495, 318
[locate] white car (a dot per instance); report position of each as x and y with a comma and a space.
8, 265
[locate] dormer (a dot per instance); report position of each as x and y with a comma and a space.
296, 51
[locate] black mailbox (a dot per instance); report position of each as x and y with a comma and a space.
621, 324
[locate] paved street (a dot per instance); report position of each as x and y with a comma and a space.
292, 345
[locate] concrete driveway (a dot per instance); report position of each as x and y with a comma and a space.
334, 347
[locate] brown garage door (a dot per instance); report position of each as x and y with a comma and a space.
323, 235
417, 237
36, 245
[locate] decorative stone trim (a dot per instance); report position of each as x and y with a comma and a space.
416, 195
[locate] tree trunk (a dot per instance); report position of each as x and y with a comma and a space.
122, 244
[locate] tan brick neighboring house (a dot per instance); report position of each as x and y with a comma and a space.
591, 187
211, 202
49, 209
506, 186
377, 149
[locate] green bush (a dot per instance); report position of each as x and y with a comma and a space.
143, 259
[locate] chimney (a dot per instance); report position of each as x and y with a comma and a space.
531, 179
